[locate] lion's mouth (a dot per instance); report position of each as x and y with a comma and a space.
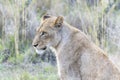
41, 50
44, 48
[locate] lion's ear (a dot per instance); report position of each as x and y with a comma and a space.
59, 21
45, 16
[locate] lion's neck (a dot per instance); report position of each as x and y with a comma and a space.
67, 33
66, 47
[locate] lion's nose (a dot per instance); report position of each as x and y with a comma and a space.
35, 45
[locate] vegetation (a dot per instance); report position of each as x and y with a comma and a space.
99, 19
28, 72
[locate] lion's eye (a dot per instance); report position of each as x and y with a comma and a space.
43, 34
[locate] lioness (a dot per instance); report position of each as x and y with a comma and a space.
77, 56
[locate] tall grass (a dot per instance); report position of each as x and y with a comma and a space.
92, 18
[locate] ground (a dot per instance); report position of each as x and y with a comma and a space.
41, 71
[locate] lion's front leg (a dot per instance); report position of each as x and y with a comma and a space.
62, 75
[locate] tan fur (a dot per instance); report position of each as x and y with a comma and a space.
77, 57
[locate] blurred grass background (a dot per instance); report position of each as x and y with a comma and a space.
99, 19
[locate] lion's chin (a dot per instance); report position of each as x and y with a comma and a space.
41, 52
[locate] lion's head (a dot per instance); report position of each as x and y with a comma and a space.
48, 33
